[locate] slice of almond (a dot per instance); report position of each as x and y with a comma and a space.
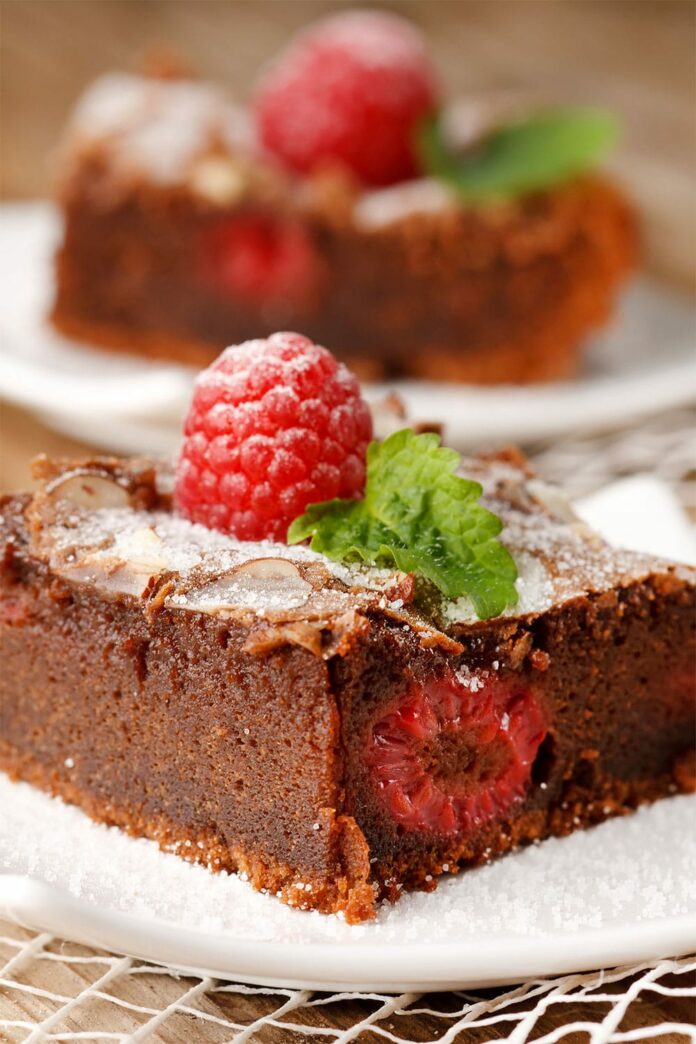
269, 569
143, 551
88, 490
219, 180
264, 585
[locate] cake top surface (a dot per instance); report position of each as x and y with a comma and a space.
158, 127
187, 133
314, 114
111, 525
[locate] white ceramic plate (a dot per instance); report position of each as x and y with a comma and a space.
620, 893
644, 363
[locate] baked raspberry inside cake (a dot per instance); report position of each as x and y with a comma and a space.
317, 724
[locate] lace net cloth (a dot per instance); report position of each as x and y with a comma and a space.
51, 990
90, 990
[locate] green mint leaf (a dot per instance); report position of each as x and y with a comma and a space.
418, 515
542, 150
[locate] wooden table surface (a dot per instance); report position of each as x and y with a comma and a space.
636, 56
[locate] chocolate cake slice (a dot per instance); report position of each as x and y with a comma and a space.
183, 232
318, 726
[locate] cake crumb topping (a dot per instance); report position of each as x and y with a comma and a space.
161, 128
126, 551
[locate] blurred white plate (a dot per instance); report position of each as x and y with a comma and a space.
644, 363
618, 894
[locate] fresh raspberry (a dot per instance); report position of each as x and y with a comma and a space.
274, 425
350, 91
255, 256
453, 755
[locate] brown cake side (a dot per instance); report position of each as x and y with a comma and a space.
251, 707
199, 243
612, 677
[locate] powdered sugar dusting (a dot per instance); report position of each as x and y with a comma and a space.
558, 558
157, 126
255, 587
383, 207
122, 550
110, 106
186, 543
631, 870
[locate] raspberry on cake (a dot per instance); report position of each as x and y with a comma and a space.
353, 91
453, 667
273, 426
340, 203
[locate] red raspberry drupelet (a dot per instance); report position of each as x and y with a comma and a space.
351, 91
274, 425
454, 755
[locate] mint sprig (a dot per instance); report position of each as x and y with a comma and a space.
418, 515
541, 150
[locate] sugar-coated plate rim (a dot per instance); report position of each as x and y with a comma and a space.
342, 966
642, 365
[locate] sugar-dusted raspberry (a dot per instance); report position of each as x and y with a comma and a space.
259, 257
274, 425
455, 754
350, 90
